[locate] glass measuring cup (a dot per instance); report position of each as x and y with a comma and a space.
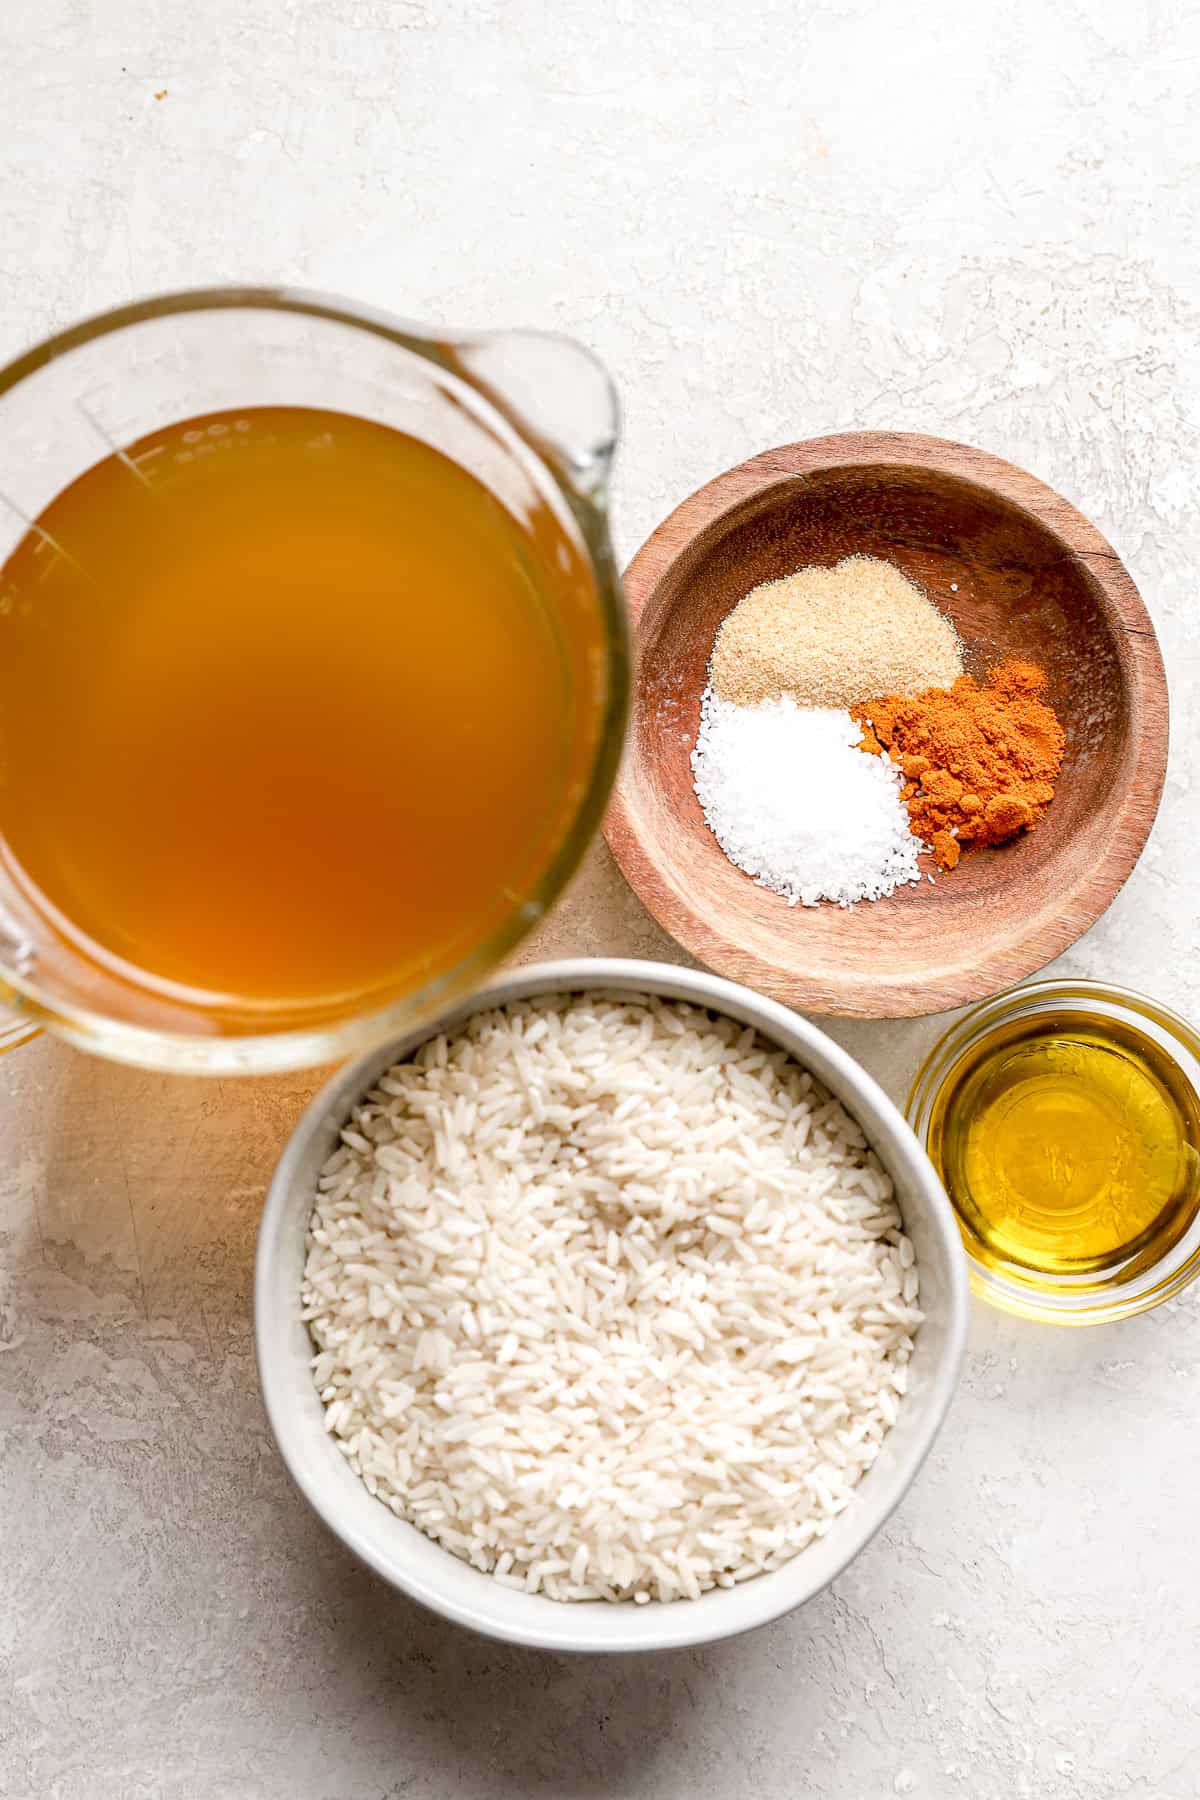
530, 415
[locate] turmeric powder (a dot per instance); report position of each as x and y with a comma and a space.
979, 761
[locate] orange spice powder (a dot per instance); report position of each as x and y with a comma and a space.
979, 759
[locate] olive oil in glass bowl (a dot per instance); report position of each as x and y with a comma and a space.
1064, 1121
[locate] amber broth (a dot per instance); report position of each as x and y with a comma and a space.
291, 707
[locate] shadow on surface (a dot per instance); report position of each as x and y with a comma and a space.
497, 1719
157, 1182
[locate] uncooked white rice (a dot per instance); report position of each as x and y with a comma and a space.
609, 1298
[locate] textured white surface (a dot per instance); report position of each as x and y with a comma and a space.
772, 221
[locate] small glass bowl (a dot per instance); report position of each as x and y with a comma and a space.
1066, 1300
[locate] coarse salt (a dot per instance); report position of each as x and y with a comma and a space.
793, 801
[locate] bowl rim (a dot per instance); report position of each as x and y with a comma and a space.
573, 1627
1037, 940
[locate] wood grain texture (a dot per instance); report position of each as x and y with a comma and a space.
1022, 573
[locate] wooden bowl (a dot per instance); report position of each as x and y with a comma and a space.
1021, 573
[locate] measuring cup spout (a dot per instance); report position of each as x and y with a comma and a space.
557, 394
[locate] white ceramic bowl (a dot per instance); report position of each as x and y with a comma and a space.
421, 1568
